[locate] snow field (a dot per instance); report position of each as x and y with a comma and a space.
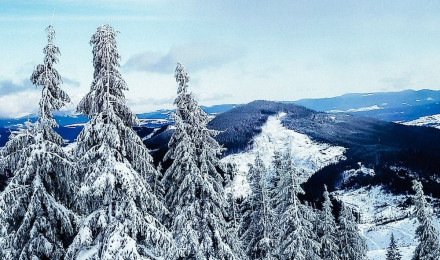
431, 121
308, 155
381, 214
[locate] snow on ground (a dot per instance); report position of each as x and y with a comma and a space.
151, 134
75, 125
69, 148
361, 109
362, 170
381, 214
309, 156
431, 121
149, 121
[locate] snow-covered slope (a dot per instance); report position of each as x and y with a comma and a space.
380, 214
309, 156
431, 121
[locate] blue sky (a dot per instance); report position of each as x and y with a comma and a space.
234, 51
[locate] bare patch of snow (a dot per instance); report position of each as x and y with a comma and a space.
429, 121
150, 135
153, 121
362, 170
308, 155
374, 107
361, 109
75, 125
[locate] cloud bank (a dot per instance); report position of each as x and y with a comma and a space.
195, 57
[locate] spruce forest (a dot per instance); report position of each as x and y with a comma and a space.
104, 197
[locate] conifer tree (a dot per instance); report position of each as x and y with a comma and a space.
194, 186
426, 233
256, 223
351, 243
33, 213
233, 210
122, 214
297, 239
326, 229
276, 170
393, 252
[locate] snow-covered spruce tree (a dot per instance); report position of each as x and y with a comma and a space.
327, 231
393, 252
33, 206
122, 214
426, 233
276, 169
351, 244
194, 186
255, 227
233, 209
297, 239
45, 75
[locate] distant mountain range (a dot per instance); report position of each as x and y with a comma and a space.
401, 106
405, 106
71, 125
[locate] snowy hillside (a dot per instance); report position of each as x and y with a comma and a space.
380, 214
429, 121
309, 156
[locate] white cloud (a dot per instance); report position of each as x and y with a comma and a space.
19, 104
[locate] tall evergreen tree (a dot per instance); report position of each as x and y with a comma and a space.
276, 170
256, 223
426, 233
393, 252
233, 209
297, 239
326, 229
122, 214
352, 244
194, 186
36, 223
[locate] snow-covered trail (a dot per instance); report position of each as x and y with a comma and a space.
308, 155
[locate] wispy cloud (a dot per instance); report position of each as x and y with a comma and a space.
194, 56
8, 87
71, 82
